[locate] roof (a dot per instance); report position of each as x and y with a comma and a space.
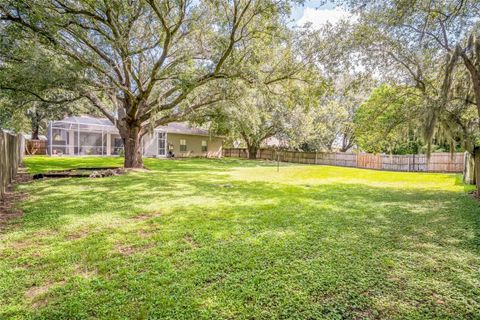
88, 120
29, 137
182, 128
173, 127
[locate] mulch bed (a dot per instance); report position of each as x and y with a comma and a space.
82, 173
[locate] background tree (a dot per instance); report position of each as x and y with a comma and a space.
283, 82
259, 115
148, 60
333, 117
431, 46
35, 91
388, 122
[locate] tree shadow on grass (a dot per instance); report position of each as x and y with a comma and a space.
235, 248
129, 195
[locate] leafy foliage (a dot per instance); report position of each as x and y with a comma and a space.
332, 118
149, 61
388, 121
282, 85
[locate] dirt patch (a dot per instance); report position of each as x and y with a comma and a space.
364, 314
146, 216
146, 233
85, 273
77, 235
21, 245
126, 250
8, 208
36, 291
37, 294
82, 173
191, 241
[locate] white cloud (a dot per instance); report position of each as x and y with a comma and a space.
319, 17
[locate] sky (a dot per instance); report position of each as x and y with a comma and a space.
315, 13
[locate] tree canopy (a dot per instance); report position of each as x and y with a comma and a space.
144, 63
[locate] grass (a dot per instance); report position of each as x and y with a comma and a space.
232, 239
40, 164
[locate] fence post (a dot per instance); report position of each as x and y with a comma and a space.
10, 157
3, 156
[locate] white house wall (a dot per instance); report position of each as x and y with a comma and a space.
150, 144
194, 145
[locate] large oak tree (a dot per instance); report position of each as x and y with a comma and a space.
145, 63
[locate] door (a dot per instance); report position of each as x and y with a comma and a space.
162, 144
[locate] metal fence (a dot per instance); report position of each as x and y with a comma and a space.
83, 136
11, 154
438, 162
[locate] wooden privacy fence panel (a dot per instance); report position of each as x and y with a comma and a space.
369, 161
442, 162
38, 147
11, 155
439, 162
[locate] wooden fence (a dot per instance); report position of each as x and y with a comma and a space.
36, 147
439, 162
11, 154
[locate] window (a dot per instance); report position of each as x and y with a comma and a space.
117, 146
183, 145
161, 143
204, 146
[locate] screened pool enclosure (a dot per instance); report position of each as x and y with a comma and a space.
83, 136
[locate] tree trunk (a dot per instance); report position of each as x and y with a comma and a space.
475, 76
347, 142
345, 148
35, 120
252, 152
35, 130
132, 141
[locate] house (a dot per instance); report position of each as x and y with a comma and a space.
96, 136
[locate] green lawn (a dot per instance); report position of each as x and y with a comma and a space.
232, 239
